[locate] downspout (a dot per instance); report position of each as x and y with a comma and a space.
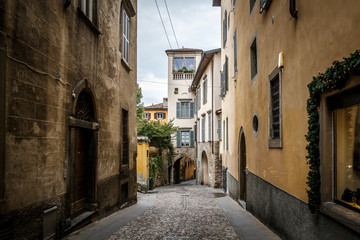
212, 105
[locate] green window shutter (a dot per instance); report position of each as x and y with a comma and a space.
191, 110
192, 138
178, 139
178, 106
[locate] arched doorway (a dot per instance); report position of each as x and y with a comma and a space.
242, 166
83, 142
205, 169
177, 171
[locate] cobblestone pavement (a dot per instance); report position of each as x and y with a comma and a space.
181, 212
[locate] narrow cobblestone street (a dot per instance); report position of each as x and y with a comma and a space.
183, 211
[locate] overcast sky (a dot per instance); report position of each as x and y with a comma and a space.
196, 24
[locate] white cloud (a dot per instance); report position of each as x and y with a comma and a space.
197, 25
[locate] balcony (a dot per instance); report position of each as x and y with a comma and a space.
182, 75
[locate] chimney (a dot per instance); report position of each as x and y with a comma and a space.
165, 102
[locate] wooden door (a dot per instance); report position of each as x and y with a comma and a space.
81, 165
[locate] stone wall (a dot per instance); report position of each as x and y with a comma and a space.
211, 149
50, 54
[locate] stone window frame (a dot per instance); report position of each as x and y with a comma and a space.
254, 69
329, 206
274, 142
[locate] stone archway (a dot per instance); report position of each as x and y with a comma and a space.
83, 137
242, 165
205, 169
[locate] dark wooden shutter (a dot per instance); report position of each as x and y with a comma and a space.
235, 53
178, 139
224, 29
164, 114
226, 73
191, 110
192, 138
178, 106
155, 115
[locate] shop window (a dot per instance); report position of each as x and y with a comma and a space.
340, 154
347, 156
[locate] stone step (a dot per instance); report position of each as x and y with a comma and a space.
81, 221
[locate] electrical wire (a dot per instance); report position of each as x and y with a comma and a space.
171, 24
163, 24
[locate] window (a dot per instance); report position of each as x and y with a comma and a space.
224, 78
185, 138
275, 109
252, 4
235, 53
224, 29
160, 115
347, 156
198, 98
205, 91
198, 131
253, 58
88, 7
184, 64
219, 128
125, 37
147, 115
125, 137
209, 127
203, 129
184, 109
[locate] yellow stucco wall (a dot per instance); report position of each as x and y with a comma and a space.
153, 111
189, 168
324, 32
142, 159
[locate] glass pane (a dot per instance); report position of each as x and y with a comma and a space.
348, 155
178, 63
189, 63
185, 110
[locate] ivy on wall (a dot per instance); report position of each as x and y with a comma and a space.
335, 77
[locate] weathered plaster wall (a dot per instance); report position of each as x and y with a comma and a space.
49, 49
323, 33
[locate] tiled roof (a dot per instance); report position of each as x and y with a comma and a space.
155, 106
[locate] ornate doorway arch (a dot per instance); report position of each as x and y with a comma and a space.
242, 165
83, 150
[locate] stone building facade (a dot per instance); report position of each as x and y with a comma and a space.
182, 65
271, 51
68, 114
208, 118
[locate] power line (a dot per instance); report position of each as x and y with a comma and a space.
163, 24
171, 24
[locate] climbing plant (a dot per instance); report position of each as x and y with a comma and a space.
335, 77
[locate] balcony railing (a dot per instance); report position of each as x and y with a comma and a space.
181, 75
